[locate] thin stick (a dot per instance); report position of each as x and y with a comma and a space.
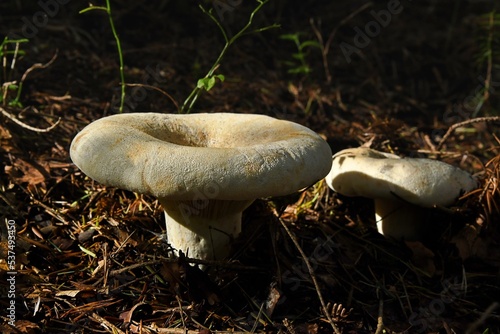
157, 89
181, 313
117, 272
313, 276
467, 122
38, 66
26, 126
325, 46
47, 208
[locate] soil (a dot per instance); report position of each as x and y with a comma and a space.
80, 257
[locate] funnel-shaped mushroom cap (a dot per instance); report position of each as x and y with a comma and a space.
238, 156
423, 182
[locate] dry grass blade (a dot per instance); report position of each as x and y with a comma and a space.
89, 307
106, 324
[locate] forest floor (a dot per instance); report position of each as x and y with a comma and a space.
391, 75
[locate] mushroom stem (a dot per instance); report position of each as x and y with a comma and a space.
399, 220
204, 228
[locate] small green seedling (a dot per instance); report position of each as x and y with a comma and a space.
299, 65
208, 83
209, 80
107, 9
10, 52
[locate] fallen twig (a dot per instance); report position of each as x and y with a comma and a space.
37, 66
460, 124
26, 126
159, 90
325, 46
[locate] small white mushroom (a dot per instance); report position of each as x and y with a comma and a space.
399, 187
205, 169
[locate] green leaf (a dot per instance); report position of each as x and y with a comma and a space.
15, 104
310, 43
300, 70
14, 41
290, 37
221, 77
88, 9
209, 83
299, 56
12, 52
202, 83
87, 251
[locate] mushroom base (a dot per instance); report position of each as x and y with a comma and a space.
399, 220
203, 229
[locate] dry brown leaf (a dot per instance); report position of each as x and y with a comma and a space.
138, 312
470, 244
22, 326
5, 142
30, 172
272, 300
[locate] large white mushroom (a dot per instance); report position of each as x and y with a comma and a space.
205, 169
400, 187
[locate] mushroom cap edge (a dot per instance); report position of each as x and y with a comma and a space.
425, 182
158, 154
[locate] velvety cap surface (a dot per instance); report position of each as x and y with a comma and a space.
230, 156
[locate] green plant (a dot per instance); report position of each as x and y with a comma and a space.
209, 80
10, 48
488, 56
107, 9
10, 90
299, 65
